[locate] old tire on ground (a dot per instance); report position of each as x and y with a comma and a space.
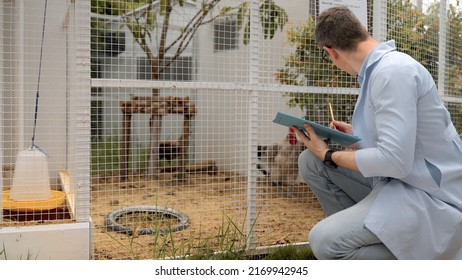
111, 220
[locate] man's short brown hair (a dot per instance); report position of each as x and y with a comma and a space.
338, 27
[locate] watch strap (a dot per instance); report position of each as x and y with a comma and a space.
328, 158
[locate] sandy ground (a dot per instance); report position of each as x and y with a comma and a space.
216, 205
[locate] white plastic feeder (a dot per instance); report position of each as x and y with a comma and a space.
31, 180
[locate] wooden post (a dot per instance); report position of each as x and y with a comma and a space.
155, 123
157, 107
127, 120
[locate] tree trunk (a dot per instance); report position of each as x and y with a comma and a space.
155, 125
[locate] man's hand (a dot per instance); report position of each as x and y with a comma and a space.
342, 126
312, 141
317, 145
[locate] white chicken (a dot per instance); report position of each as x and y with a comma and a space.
279, 162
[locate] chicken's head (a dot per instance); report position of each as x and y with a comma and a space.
291, 137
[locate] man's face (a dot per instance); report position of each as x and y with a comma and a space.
338, 59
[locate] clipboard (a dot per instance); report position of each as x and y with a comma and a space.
321, 130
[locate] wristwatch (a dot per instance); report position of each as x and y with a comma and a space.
328, 159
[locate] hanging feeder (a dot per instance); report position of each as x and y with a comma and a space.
31, 180
30, 190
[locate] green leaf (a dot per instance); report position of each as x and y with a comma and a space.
247, 33
225, 11
242, 11
283, 18
151, 20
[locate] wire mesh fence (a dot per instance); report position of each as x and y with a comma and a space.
180, 156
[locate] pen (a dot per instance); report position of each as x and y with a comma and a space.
332, 114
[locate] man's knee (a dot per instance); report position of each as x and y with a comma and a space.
308, 162
319, 243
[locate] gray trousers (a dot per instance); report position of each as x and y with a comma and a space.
346, 197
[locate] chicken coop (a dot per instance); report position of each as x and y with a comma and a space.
144, 129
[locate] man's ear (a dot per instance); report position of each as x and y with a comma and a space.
331, 52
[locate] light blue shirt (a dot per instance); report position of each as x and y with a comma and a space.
408, 137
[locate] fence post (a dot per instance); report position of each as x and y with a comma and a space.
379, 21
442, 47
1, 118
82, 96
255, 30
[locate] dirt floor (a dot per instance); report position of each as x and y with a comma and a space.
216, 205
